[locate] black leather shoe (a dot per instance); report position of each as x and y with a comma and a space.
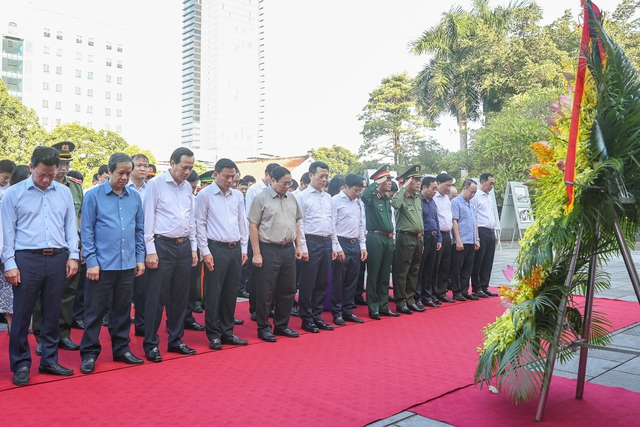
77, 324
445, 298
339, 321
310, 327
267, 336
129, 358
287, 332
415, 307
389, 314
195, 326
359, 300
437, 302
21, 376
139, 332
471, 297
238, 321
39, 349
154, 355
67, 344
198, 309
374, 315
295, 312
272, 313
88, 366
480, 294
215, 344
253, 316
56, 369
352, 318
181, 349
404, 310
459, 298
321, 324
489, 293
243, 294
234, 340
429, 303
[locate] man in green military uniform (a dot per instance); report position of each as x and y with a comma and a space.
71, 286
379, 243
409, 241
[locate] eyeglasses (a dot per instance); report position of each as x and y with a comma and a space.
356, 190
285, 183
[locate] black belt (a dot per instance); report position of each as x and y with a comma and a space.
433, 233
348, 239
46, 251
411, 233
176, 240
318, 237
382, 233
229, 245
280, 245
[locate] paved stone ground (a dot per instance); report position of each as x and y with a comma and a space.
603, 367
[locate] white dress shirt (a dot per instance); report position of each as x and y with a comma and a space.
220, 217
168, 211
348, 220
141, 191
316, 214
252, 192
443, 203
484, 209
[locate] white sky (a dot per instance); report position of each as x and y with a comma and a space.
322, 60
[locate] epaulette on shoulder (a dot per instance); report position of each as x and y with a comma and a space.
76, 180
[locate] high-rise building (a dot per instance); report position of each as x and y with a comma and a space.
69, 69
222, 59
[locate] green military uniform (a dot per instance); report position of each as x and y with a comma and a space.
379, 244
71, 285
409, 242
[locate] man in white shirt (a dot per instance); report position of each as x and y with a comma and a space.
442, 267
170, 239
6, 170
487, 237
316, 231
350, 245
221, 228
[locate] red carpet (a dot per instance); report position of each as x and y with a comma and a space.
351, 376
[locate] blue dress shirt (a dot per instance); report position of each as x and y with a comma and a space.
112, 228
430, 216
465, 213
36, 219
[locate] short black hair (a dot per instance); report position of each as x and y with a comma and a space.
394, 186
140, 156
193, 176
485, 176
48, 156
278, 172
294, 184
335, 185
249, 178
95, 176
116, 159
353, 180
426, 181
313, 167
443, 177
7, 165
270, 167
103, 169
242, 181
177, 154
225, 163
468, 183
76, 175
20, 173
305, 179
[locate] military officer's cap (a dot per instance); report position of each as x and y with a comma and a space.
413, 171
382, 172
207, 177
65, 148
152, 170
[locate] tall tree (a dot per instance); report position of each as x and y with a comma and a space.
392, 127
339, 159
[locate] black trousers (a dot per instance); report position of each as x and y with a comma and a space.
167, 282
461, 267
275, 282
66, 309
314, 278
483, 262
442, 268
78, 304
116, 284
426, 289
221, 290
194, 275
345, 278
251, 280
42, 277
139, 299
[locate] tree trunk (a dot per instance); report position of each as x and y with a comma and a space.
462, 125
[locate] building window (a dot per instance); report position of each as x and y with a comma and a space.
108, 45
58, 121
58, 70
119, 129
119, 48
90, 109
77, 108
108, 78
90, 58
90, 75
107, 127
45, 86
90, 92
107, 111
90, 41
45, 68
119, 64
59, 52
45, 121
78, 91
107, 95
58, 87
47, 32
108, 62
78, 39
45, 103
78, 73
118, 113
78, 56
119, 97
58, 105
89, 124
45, 50
59, 36
119, 80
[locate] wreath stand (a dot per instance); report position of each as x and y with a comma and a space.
583, 343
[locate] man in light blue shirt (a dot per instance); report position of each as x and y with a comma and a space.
465, 235
113, 245
40, 250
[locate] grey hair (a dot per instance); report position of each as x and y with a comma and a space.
117, 158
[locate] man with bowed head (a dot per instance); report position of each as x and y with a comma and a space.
465, 238
40, 252
113, 247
